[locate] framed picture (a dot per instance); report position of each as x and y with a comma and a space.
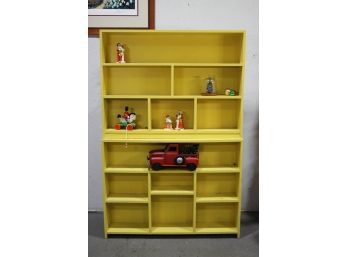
120, 14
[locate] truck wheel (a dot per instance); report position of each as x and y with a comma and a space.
179, 160
156, 166
191, 166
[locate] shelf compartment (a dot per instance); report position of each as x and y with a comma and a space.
118, 156
162, 107
137, 80
175, 182
227, 116
219, 186
172, 211
115, 198
172, 192
126, 170
113, 107
191, 80
114, 229
125, 216
125, 185
172, 46
218, 170
215, 155
216, 216
222, 230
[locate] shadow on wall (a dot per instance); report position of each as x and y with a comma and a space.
252, 200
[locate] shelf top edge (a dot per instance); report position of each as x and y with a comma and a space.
240, 31
165, 64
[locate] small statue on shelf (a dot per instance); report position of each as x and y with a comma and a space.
209, 87
120, 53
168, 123
126, 113
132, 119
122, 121
179, 121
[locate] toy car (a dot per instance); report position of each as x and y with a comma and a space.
175, 155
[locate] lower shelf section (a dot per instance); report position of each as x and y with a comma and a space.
172, 230
116, 230
232, 230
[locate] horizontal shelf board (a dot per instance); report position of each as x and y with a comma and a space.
113, 230
171, 230
113, 64
208, 64
223, 230
172, 192
171, 132
171, 171
165, 97
126, 170
139, 31
177, 137
218, 170
114, 199
217, 199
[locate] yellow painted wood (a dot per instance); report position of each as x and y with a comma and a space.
165, 72
219, 199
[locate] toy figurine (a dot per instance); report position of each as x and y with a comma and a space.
227, 91
122, 121
168, 123
126, 113
179, 121
120, 53
209, 87
132, 119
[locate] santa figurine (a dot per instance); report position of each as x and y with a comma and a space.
120, 53
126, 113
179, 121
168, 123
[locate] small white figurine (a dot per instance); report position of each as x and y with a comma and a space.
168, 123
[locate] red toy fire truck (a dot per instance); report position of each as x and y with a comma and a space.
175, 155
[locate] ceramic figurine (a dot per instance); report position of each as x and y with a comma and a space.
126, 113
232, 92
227, 91
120, 53
209, 87
132, 119
179, 121
168, 123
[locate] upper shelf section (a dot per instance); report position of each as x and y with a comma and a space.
174, 47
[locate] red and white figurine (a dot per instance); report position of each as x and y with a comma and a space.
120, 53
168, 123
179, 121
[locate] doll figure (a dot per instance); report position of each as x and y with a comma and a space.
179, 121
168, 123
210, 86
126, 113
120, 53
122, 121
132, 119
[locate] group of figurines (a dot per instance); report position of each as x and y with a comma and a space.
127, 120
210, 88
179, 121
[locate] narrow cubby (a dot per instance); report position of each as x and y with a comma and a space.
192, 80
127, 215
162, 107
137, 80
216, 215
215, 185
218, 113
118, 185
171, 46
120, 155
217, 155
178, 183
113, 107
171, 212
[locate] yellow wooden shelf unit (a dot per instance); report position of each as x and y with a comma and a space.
165, 71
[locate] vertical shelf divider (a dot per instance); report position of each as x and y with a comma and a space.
149, 200
149, 117
194, 201
195, 113
172, 80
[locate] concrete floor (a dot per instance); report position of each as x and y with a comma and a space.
174, 246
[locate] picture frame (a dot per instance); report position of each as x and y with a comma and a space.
144, 18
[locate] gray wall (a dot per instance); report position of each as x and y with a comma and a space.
194, 14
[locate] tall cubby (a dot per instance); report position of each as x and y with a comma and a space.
165, 72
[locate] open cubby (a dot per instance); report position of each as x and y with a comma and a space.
128, 215
172, 211
179, 47
162, 107
118, 185
217, 184
216, 215
113, 107
162, 181
137, 80
218, 113
219, 155
117, 155
192, 80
